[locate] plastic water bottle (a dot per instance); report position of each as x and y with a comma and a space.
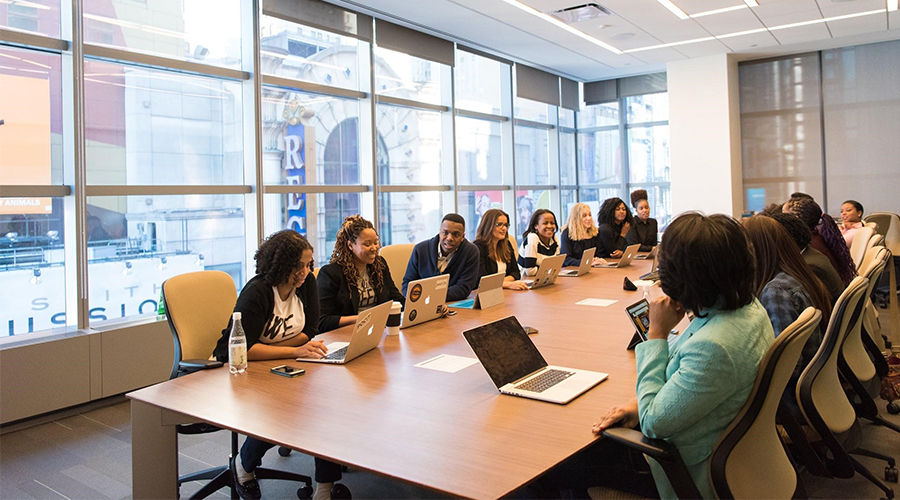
237, 346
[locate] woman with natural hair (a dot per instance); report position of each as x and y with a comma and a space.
644, 228
851, 219
280, 314
580, 234
826, 237
614, 221
357, 278
497, 253
538, 241
817, 262
688, 393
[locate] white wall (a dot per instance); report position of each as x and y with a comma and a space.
705, 135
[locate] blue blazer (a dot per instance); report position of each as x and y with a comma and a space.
463, 268
688, 395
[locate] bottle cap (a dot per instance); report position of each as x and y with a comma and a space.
236, 315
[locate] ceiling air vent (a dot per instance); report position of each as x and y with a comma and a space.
579, 13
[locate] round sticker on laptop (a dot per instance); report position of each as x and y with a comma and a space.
413, 314
415, 293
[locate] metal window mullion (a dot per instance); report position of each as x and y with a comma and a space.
312, 189
532, 124
453, 135
35, 191
623, 146
537, 187
141, 59
413, 188
486, 187
480, 116
312, 88
79, 219
512, 114
647, 124
822, 130
258, 198
166, 190
30, 41
409, 103
373, 139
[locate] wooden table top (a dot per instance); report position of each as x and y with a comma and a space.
452, 432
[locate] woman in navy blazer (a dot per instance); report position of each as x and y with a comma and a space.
356, 279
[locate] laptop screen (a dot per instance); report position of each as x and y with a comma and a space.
505, 350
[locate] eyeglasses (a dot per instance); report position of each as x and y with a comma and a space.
501, 224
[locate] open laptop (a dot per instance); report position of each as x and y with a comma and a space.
425, 299
367, 334
489, 293
518, 369
650, 255
587, 258
653, 275
547, 271
627, 255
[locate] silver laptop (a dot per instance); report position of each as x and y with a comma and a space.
425, 299
653, 275
367, 334
587, 259
627, 255
490, 291
518, 369
547, 271
651, 255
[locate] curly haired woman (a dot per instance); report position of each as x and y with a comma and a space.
826, 237
357, 278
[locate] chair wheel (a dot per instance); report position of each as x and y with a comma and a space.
893, 408
340, 492
304, 492
284, 452
890, 474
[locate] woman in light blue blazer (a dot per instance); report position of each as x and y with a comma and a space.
689, 390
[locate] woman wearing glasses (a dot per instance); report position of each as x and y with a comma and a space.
280, 314
497, 254
357, 278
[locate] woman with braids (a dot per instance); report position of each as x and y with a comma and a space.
826, 237
280, 314
357, 278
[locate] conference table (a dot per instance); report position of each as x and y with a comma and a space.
451, 432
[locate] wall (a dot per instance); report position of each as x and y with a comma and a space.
705, 135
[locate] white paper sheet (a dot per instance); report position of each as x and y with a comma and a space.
596, 302
643, 283
447, 363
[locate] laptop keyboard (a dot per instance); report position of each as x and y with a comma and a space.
338, 354
652, 276
545, 380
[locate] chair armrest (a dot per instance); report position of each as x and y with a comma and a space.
193, 365
663, 452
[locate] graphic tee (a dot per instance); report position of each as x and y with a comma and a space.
287, 319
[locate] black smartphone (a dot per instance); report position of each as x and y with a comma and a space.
287, 371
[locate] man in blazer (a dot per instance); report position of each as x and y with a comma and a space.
447, 253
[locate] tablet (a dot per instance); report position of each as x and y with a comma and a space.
639, 314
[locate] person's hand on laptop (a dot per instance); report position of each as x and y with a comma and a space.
665, 314
616, 254
515, 285
597, 262
311, 349
625, 415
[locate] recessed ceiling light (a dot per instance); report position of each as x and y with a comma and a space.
751, 3
674, 9
579, 13
559, 24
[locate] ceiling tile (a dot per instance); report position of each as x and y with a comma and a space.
802, 34
831, 8
730, 22
775, 13
858, 25
692, 7
702, 48
660, 56
750, 42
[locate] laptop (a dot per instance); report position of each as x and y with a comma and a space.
547, 271
367, 333
518, 369
489, 293
627, 255
587, 258
653, 275
651, 255
425, 299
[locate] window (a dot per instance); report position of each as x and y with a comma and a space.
35, 16
407, 77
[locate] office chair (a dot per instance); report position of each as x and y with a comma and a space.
823, 402
198, 307
858, 364
749, 461
888, 225
397, 258
859, 245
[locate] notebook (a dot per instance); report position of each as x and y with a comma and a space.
587, 258
367, 333
547, 271
425, 299
627, 255
518, 369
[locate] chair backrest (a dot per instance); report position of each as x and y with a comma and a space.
876, 240
198, 307
888, 226
853, 350
819, 391
750, 461
873, 225
397, 258
859, 245
512, 241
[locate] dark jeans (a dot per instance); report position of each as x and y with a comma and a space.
604, 463
253, 450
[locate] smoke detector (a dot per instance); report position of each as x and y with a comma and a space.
580, 13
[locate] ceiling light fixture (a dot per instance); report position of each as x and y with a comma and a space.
759, 30
718, 11
751, 3
560, 24
891, 5
673, 8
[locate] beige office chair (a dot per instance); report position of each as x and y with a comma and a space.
198, 307
888, 225
397, 258
822, 399
749, 460
512, 241
859, 245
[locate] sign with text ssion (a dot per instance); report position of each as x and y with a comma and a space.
24, 140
